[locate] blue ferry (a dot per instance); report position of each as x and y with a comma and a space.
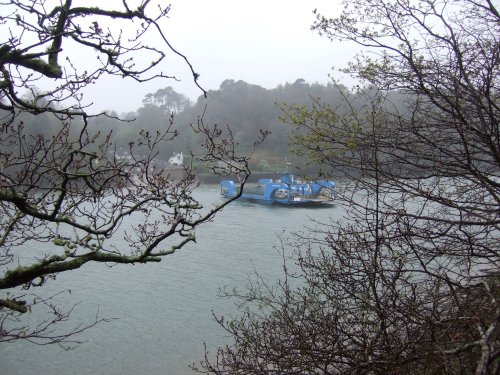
285, 191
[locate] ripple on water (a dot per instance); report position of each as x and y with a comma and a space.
164, 310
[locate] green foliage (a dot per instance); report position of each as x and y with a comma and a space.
321, 132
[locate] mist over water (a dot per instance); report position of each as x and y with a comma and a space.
164, 310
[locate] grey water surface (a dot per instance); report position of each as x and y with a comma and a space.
164, 310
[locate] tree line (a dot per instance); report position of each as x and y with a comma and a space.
243, 107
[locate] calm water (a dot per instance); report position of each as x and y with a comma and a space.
164, 310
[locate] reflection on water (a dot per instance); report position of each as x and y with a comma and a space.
164, 310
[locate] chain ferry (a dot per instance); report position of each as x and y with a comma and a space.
286, 190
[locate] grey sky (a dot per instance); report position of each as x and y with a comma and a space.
263, 42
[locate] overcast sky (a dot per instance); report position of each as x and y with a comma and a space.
263, 42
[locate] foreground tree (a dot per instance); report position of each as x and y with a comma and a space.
409, 282
66, 197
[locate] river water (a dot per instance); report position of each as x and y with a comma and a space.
164, 310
